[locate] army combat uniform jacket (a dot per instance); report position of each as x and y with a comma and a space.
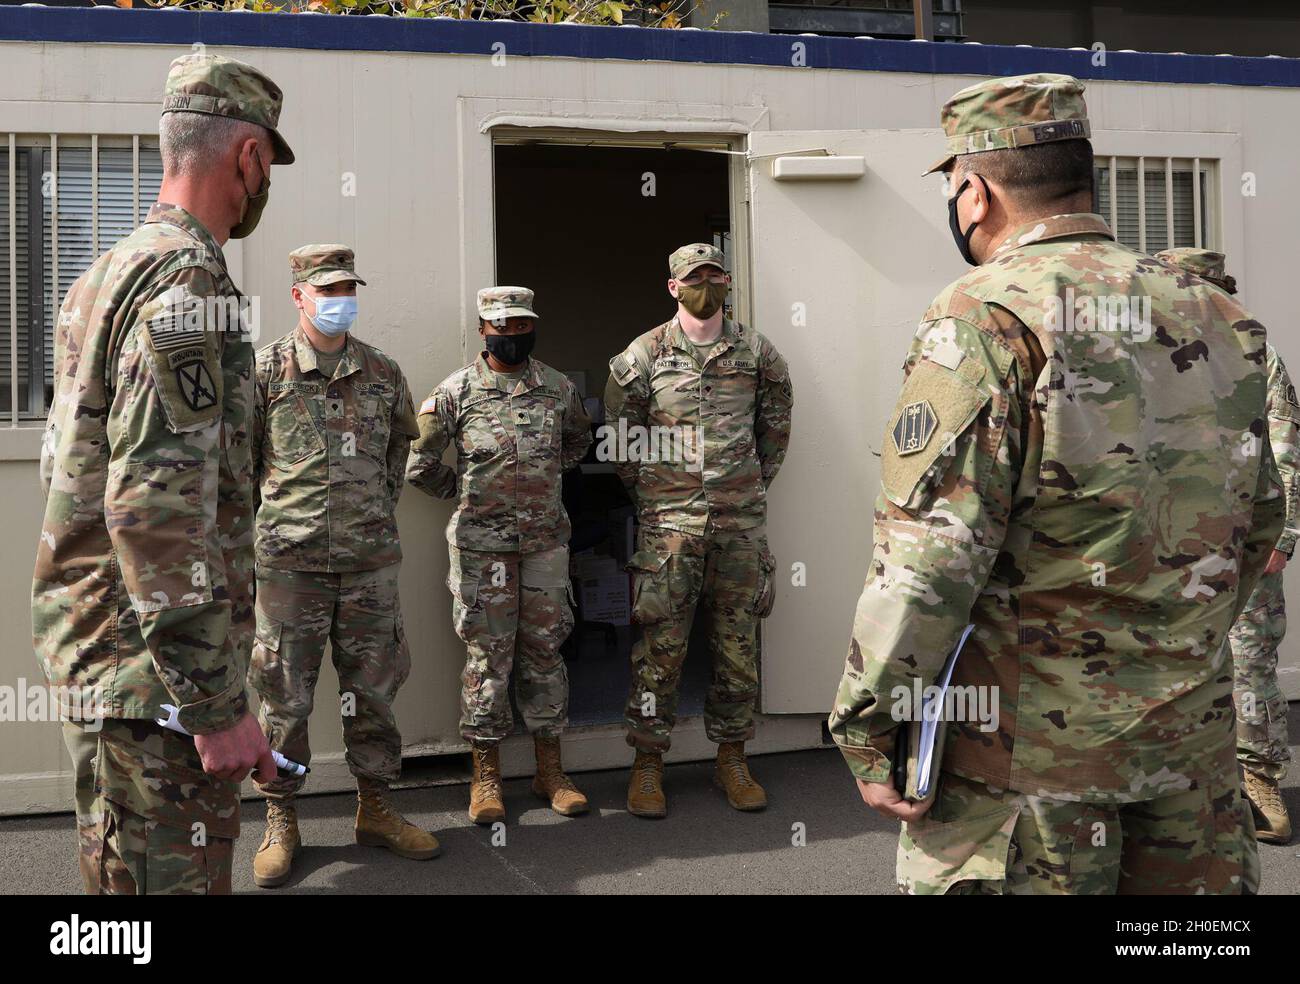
330, 453
1262, 742
1284, 439
702, 502
142, 589
514, 439
734, 410
1084, 482
511, 449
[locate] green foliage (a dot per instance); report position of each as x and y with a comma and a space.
647, 13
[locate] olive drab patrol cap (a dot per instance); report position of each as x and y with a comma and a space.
1204, 263
220, 86
498, 303
320, 265
687, 258
1007, 113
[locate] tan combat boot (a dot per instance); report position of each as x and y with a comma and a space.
485, 802
273, 860
379, 825
645, 787
551, 783
1272, 825
732, 775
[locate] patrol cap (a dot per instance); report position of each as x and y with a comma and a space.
689, 257
320, 265
498, 303
1003, 114
1204, 263
220, 86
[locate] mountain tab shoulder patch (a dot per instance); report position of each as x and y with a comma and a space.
184, 356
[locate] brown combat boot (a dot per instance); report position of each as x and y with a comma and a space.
551, 783
379, 825
1272, 824
732, 775
485, 802
645, 787
274, 859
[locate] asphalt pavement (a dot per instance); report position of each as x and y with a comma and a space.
815, 837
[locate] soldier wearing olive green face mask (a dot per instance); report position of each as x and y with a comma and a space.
724, 391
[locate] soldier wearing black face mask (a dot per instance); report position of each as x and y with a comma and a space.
517, 425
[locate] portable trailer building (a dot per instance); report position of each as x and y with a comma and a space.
572, 159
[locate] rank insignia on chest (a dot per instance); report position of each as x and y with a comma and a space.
523, 417
915, 426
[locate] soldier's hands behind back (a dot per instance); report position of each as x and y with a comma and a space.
885, 800
1276, 561
232, 753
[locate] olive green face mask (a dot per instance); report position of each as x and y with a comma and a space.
253, 206
702, 299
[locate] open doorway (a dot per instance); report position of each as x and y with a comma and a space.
589, 226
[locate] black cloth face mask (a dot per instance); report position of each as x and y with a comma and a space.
511, 349
962, 239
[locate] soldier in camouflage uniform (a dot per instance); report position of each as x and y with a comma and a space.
517, 425
723, 391
1079, 477
142, 592
1262, 748
333, 423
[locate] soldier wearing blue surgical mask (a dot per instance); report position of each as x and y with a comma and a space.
332, 424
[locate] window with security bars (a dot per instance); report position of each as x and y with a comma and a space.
1155, 203
63, 201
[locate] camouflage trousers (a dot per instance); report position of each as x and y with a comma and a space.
1262, 745
977, 840
511, 608
732, 574
359, 615
149, 820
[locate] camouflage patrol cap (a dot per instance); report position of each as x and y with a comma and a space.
1003, 114
691, 256
221, 86
498, 303
320, 265
1204, 263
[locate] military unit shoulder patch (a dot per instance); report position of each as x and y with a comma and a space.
914, 428
196, 385
936, 407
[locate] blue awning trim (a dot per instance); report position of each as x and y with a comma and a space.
447, 36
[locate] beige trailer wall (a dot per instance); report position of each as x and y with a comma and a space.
409, 131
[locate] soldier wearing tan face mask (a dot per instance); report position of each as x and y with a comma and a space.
143, 589
725, 392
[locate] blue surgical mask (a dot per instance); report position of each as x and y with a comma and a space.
334, 315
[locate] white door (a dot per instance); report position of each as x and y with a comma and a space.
843, 269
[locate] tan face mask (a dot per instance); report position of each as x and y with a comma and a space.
253, 205
702, 299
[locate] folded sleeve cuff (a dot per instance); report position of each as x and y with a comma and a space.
867, 764
214, 714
